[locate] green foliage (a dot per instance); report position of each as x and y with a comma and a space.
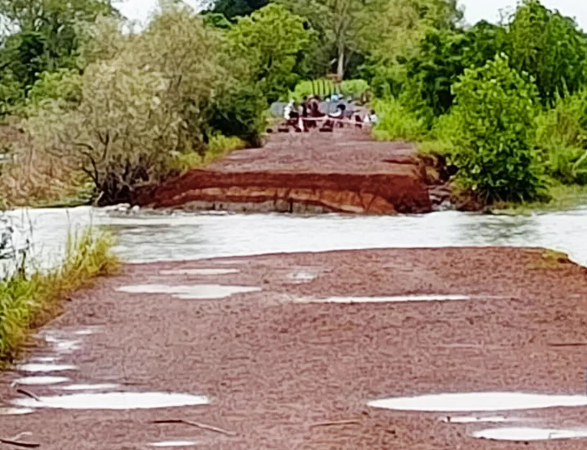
11, 93
217, 20
122, 134
562, 138
396, 122
443, 57
46, 38
29, 300
161, 94
240, 112
232, 9
270, 42
391, 30
23, 56
63, 85
495, 125
350, 89
218, 147
355, 89
306, 88
550, 47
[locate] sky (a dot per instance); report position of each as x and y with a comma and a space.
475, 10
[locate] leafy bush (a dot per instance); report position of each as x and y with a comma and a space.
239, 112
396, 122
562, 138
11, 94
64, 85
495, 127
122, 134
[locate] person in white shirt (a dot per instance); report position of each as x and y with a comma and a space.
289, 108
371, 118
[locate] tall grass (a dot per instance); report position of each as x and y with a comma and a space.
397, 122
562, 138
27, 301
218, 147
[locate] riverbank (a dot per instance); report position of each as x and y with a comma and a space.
290, 361
345, 171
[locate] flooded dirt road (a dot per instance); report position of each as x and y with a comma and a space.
261, 360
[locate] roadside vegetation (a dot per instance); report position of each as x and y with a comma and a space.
506, 104
30, 297
94, 107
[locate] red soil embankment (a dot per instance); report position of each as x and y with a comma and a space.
344, 171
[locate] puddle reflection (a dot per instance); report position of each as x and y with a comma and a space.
529, 434
195, 292
199, 272
40, 381
114, 401
392, 299
482, 401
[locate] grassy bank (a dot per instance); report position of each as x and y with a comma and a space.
563, 198
28, 301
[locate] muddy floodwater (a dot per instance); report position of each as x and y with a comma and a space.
148, 237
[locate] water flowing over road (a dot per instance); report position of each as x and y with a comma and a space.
148, 237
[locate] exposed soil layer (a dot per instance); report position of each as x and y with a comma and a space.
282, 374
345, 171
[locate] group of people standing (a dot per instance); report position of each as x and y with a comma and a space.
307, 115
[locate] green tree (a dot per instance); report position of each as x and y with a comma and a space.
495, 127
161, 94
337, 23
550, 47
231, 9
42, 35
443, 56
123, 133
392, 32
269, 43
56, 23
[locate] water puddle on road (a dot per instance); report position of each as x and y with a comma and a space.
44, 359
302, 276
204, 272
173, 444
89, 387
15, 411
529, 434
114, 401
472, 419
62, 345
41, 367
67, 346
40, 381
84, 332
392, 299
482, 401
195, 292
